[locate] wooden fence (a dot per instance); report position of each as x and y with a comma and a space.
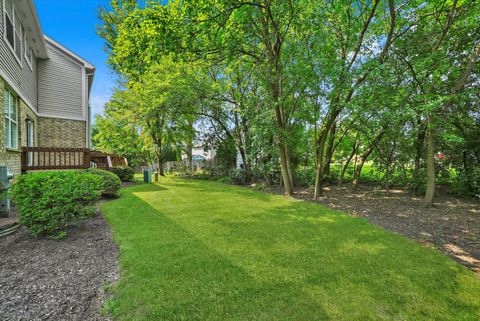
49, 158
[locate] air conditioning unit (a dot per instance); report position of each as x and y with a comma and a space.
5, 177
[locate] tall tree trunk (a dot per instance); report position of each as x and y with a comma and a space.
287, 182
430, 158
347, 163
290, 167
160, 168
319, 164
246, 146
363, 158
330, 150
357, 173
189, 157
418, 155
160, 161
246, 165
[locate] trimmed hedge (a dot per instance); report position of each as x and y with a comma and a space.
124, 172
111, 181
48, 201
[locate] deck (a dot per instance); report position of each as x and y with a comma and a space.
53, 158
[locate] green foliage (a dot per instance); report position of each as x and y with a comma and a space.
124, 172
466, 184
237, 176
226, 154
111, 181
224, 179
114, 133
305, 176
306, 80
48, 201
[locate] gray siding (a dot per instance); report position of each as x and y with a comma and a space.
60, 85
24, 78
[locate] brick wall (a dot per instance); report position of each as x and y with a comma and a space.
53, 132
9, 157
48, 132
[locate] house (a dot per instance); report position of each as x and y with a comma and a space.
199, 153
44, 88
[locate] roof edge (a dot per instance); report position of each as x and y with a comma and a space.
86, 64
43, 46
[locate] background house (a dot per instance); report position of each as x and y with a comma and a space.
199, 153
44, 87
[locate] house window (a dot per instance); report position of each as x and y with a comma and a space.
9, 29
10, 103
28, 53
13, 30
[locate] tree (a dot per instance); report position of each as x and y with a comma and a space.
296, 83
434, 53
164, 103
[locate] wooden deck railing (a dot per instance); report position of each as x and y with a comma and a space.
48, 158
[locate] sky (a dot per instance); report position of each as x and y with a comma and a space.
72, 23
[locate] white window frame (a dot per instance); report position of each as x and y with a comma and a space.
30, 135
9, 97
12, 19
27, 48
30, 130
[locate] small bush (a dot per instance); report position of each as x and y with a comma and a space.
111, 181
124, 172
305, 176
466, 184
224, 179
237, 176
48, 201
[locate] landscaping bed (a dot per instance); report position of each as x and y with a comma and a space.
452, 225
42, 279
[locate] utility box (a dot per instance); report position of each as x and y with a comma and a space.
147, 176
5, 177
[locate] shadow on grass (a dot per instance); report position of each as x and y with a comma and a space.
169, 274
271, 259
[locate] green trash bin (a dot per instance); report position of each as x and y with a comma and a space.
147, 176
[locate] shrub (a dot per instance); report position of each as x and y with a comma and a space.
224, 179
237, 176
466, 184
48, 201
124, 172
111, 181
305, 176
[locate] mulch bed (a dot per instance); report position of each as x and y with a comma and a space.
452, 225
43, 279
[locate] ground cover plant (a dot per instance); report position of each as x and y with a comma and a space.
203, 250
48, 201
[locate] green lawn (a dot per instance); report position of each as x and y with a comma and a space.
202, 250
